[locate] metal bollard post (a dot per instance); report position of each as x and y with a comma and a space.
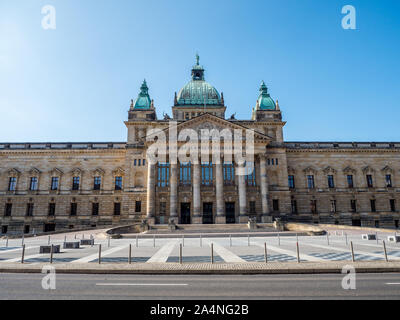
109, 240
23, 253
154, 241
99, 253
265, 252
352, 251
345, 234
65, 238
201, 242
385, 252
248, 240
327, 237
180, 253
6, 242
376, 236
83, 236
298, 252
75, 236
297, 237
137, 241
130, 254
212, 253
183, 240
230, 240
51, 254
23, 239
279, 239
48, 240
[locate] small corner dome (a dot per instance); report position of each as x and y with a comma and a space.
265, 102
143, 100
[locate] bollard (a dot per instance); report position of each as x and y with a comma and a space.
384, 251
6, 242
154, 241
352, 251
346, 238
376, 236
137, 241
51, 254
48, 241
327, 238
183, 240
99, 253
230, 240
201, 242
298, 252
248, 240
109, 240
83, 236
180, 253
265, 252
65, 238
130, 254
23, 253
212, 253
75, 236
23, 239
297, 237
279, 239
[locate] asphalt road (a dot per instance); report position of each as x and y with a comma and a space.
368, 286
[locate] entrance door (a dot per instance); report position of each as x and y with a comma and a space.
49, 227
230, 212
185, 213
208, 213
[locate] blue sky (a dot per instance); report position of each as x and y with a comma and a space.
75, 83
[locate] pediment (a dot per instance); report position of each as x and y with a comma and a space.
349, 170
387, 169
309, 170
34, 171
329, 170
13, 172
368, 169
118, 172
98, 172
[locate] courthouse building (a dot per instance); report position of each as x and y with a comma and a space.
55, 186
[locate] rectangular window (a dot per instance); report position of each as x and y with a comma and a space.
388, 180
95, 209
117, 208
118, 183
144, 162
12, 184
52, 209
8, 210
54, 183
74, 209
392, 205
34, 184
75, 183
163, 174
185, 174
250, 177
135, 162
163, 208
29, 210
331, 182
276, 161
252, 205
369, 181
333, 206
310, 182
97, 183
373, 205
291, 182
313, 205
4, 229
138, 206
139, 161
350, 182
353, 205
275, 204
229, 173
293, 204
206, 173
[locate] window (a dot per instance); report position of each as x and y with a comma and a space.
388, 180
34, 184
207, 173
95, 209
27, 229
313, 205
275, 204
163, 174
54, 183
144, 162
310, 182
392, 205
350, 182
163, 208
138, 206
12, 184
135, 162
293, 204
376, 223
373, 205
252, 205
353, 205
333, 206
8, 210
29, 210
74, 209
396, 224
118, 183
276, 161
369, 181
291, 182
139, 162
97, 183
52, 209
331, 182
117, 208
4, 229
185, 173
75, 183
229, 173
250, 176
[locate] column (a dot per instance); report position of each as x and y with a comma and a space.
243, 217
151, 192
173, 190
196, 194
264, 190
219, 192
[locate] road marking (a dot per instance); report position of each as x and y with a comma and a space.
393, 283
303, 256
34, 256
96, 255
224, 253
19, 249
141, 284
164, 252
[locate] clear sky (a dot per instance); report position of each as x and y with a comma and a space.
75, 83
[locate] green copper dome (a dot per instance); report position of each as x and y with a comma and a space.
198, 91
265, 101
143, 100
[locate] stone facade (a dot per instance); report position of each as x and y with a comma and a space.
119, 185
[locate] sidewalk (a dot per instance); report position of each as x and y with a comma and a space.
207, 268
